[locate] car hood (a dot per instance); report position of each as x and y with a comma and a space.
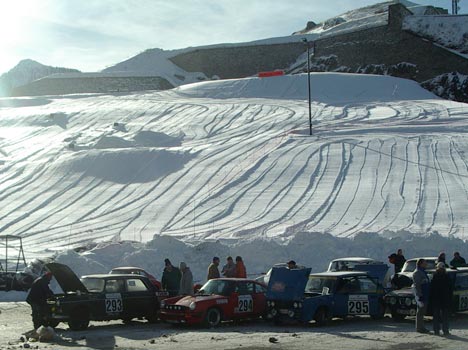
66, 278
186, 301
286, 284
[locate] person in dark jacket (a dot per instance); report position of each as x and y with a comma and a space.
229, 270
441, 298
37, 298
441, 258
170, 280
399, 261
457, 260
421, 289
213, 271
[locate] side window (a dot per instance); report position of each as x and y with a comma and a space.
244, 288
136, 285
259, 288
461, 281
367, 285
349, 285
114, 286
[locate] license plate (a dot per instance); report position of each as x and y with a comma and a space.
404, 312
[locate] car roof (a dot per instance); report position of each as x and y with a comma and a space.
113, 276
423, 257
127, 268
354, 259
235, 279
339, 274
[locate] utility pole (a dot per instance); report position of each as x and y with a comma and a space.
308, 85
455, 7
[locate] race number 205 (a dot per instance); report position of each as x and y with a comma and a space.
358, 305
113, 303
245, 303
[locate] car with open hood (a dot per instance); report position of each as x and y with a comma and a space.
297, 295
221, 299
101, 298
402, 302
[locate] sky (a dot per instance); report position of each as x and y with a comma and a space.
94, 34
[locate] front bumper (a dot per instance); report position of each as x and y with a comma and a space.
181, 317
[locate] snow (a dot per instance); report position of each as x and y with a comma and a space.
449, 31
231, 160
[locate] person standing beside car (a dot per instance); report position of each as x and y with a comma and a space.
229, 270
399, 261
213, 271
241, 271
421, 289
170, 280
186, 280
457, 260
37, 298
441, 299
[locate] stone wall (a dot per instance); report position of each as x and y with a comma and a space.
239, 61
390, 46
59, 86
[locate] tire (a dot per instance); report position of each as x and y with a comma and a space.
152, 318
397, 317
321, 316
79, 320
77, 324
213, 317
381, 312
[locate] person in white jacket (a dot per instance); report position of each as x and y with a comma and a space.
186, 281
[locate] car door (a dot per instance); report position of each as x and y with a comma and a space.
460, 292
113, 298
259, 300
245, 300
374, 292
138, 298
350, 299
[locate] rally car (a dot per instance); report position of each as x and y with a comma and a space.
374, 268
402, 302
136, 271
294, 295
218, 300
101, 298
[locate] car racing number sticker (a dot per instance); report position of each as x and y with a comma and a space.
358, 305
114, 303
463, 303
244, 303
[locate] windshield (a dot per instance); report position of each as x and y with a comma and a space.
317, 284
410, 265
219, 287
93, 284
346, 265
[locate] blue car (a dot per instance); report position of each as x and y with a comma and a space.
297, 295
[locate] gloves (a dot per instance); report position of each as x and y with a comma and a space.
420, 304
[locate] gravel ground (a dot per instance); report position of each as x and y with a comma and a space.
358, 333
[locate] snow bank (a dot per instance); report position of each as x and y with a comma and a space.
325, 87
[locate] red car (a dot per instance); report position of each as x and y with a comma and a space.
221, 299
136, 271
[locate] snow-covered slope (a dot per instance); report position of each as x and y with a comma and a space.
27, 71
233, 160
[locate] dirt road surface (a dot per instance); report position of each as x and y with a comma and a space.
357, 333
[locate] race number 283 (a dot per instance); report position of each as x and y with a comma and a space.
358, 305
113, 303
245, 303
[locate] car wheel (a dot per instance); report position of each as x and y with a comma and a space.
153, 318
321, 317
213, 317
79, 320
397, 317
380, 313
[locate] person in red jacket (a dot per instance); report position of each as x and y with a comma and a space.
240, 268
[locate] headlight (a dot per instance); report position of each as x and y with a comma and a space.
291, 313
272, 303
413, 301
408, 301
274, 312
296, 305
192, 305
392, 300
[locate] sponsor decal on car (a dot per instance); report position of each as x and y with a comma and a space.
221, 301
